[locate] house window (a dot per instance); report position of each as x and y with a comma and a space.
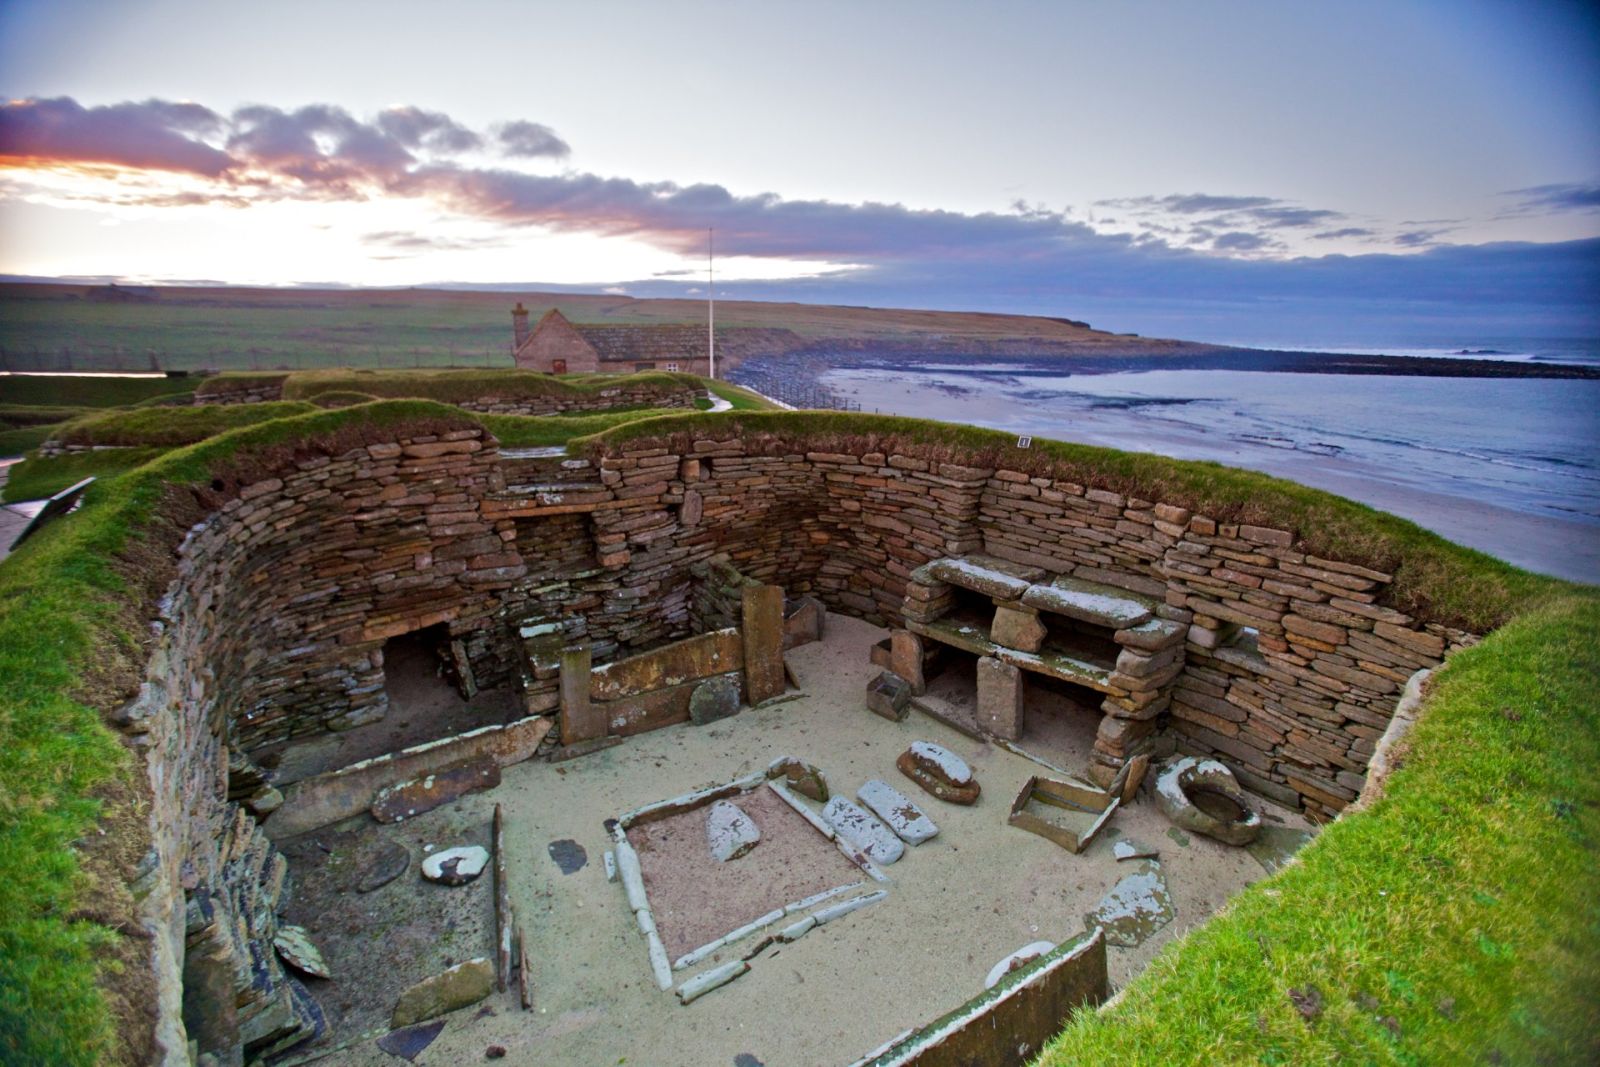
672, 367
558, 366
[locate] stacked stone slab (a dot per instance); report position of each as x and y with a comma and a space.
629, 394
300, 567
1136, 685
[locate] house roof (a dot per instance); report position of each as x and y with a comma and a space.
625, 343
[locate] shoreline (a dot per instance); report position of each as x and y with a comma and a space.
1545, 544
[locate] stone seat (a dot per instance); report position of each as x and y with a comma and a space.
1102, 605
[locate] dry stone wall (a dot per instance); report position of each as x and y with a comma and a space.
285, 595
648, 395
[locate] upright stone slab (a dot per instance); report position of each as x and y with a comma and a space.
906, 658
580, 720
1000, 705
714, 699
762, 618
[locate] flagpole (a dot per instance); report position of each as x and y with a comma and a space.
711, 302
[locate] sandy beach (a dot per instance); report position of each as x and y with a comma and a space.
1545, 544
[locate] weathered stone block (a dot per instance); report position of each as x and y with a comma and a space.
890, 696
762, 630
1000, 698
714, 699
906, 659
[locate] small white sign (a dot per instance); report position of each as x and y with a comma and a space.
1024, 442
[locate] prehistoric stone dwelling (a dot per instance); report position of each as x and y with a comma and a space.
558, 346
293, 584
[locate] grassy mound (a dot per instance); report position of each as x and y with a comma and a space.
456, 386
231, 383
169, 427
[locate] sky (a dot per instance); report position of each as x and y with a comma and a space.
1223, 171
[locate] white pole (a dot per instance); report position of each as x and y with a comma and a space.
711, 302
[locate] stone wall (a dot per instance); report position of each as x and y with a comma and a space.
635, 394
255, 394
285, 595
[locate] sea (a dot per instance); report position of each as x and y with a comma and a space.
1442, 451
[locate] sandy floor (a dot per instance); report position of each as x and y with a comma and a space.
957, 904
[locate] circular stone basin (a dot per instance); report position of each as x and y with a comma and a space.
1222, 808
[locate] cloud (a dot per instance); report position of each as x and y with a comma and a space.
152, 135
1239, 241
1568, 196
1191, 203
527, 140
1192, 247
409, 242
415, 128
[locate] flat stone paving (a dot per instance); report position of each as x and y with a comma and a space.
955, 905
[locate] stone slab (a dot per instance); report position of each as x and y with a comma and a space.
407, 799
761, 613
909, 823
691, 659
580, 721
988, 575
1000, 698
1029, 1006
714, 699
328, 798
889, 695
860, 828
730, 833
1102, 605
460, 986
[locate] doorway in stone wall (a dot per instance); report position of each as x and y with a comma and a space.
427, 701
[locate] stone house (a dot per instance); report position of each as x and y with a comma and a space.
556, 345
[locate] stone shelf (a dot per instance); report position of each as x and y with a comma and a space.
1055, 660
1102, 605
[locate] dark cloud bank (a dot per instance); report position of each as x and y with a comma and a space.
1033, 259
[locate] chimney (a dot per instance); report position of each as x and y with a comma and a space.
519, 323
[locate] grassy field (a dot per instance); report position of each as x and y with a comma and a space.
89, 392
53, 327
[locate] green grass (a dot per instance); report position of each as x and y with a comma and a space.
1435, 579
89, 392
454, 386
15, 416
173, 426
526, 431
1457, 921
235, 382
741, 398
40, 476
25, 439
